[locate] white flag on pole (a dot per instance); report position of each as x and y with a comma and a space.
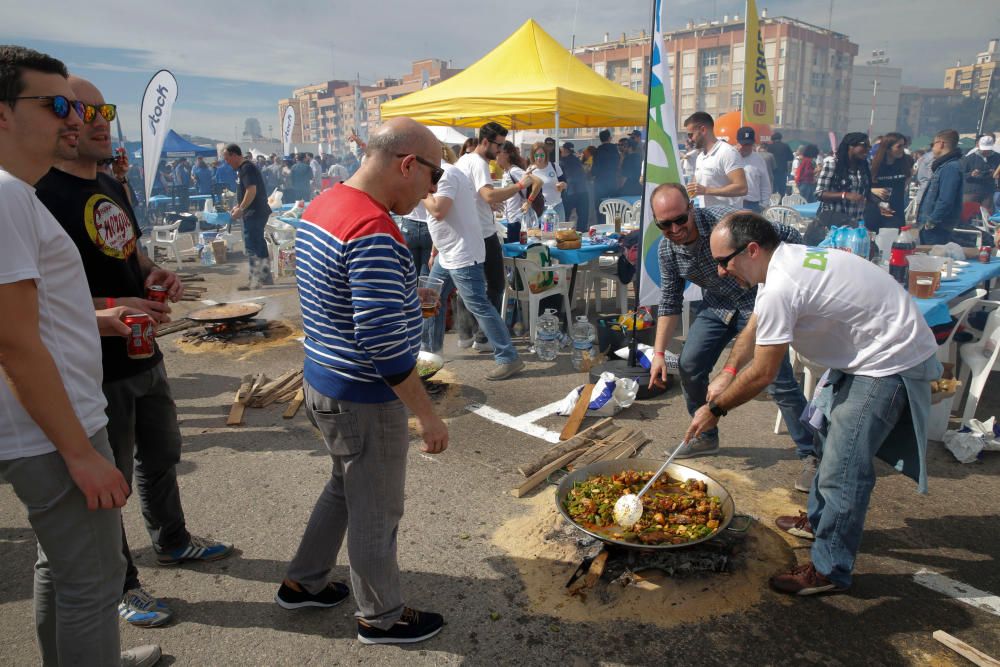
154, 119
287, 126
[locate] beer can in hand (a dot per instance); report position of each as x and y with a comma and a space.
139, 343
156, 293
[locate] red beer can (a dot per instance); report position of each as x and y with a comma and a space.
984, 254
524, 236
140, 338
156, 293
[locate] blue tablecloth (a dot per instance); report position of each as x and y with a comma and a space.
935, 309
290, 220
586, 252
218, 219
808, 210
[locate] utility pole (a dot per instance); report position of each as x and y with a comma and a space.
878, 58
986, 104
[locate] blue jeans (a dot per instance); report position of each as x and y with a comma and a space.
865, 410
471, 284
418, 240
707, 338
808, 191
253, 236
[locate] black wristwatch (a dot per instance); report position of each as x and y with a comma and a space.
716, 410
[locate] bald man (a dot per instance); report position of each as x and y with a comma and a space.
142, 419
362, 320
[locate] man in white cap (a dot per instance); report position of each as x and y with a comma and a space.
758, 194
979, 168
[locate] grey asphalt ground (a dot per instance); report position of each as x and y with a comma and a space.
255, 486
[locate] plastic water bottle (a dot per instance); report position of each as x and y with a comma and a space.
529, 220
206, 255
583, 340
549, 219
547, 335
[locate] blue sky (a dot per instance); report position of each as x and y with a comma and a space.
235, 60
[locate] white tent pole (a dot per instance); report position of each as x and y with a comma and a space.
556, 151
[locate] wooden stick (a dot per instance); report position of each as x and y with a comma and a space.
627, 449
239, 402
272, 395
609, 443
594, 573
970, 653
293, 407
264, 391
581, 440
539, 477
579, 412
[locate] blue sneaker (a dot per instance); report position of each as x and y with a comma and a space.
141, 609
198, 548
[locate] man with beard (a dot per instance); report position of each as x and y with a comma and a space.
142, 418
718, 172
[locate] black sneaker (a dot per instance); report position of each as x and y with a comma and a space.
289, 598
412, 627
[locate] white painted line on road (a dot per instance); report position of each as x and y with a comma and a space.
956, 589
513, 422
543, 411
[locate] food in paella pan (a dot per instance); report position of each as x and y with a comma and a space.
674, 512
426, 369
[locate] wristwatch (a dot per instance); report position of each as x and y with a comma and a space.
716, 410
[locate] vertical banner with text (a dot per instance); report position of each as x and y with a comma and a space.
154, 119
287, 127
661, 157
758, 102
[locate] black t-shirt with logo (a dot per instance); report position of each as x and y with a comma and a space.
102, 224
248, 175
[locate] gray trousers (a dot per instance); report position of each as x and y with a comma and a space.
368, 443
78, 575
145, 439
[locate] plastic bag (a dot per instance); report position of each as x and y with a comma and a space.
646, 357
610, 395
952, 250
851, 239
974, 438
274, 201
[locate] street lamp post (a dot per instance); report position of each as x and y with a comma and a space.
878, 58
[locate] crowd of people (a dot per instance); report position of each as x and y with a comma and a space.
87, 423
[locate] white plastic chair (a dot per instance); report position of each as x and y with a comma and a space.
633, 217
785, 215
960, 311
775, 199
175, 243
612, 209
793, 200
979, 359
811, 374
529, 300
977, 235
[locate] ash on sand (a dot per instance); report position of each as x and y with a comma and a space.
281, 333
545, 565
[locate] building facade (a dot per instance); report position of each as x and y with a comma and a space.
873, 105
925, 111
809, 68
979, 79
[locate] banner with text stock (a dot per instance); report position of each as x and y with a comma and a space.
287, 126
154, 120
662, 160
758, 102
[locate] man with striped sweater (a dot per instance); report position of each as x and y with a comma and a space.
362, 320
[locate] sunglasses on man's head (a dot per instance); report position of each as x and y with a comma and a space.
724, 261
679, 221
59, 104
436, 171
108, 111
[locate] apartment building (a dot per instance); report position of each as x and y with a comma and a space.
980, 78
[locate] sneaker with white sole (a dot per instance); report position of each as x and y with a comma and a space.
701, 445
412, 627
482, 347
805, 480
796, 525
198, 548
504, 371
142, 610
289, 598
464, 343
141, 656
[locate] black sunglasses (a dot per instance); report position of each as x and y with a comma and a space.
724, 261
108, 111
59, 104
665, 225
436, 171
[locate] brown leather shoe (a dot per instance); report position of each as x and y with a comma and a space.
796, 525
804, 580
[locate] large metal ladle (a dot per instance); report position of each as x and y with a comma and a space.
628, 508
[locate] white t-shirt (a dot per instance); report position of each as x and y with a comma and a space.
712, 170
549, 175
456, 237
758, 179
35, 247
512, 207
478, 171
840, 311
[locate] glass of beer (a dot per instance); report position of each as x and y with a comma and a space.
692, 188
429, 291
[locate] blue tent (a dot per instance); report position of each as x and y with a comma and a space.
176, 146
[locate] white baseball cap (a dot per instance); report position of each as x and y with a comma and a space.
986, 143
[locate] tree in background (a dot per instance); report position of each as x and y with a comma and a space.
251, 129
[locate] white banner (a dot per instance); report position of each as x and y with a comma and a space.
287, 126
661, 157
154, 119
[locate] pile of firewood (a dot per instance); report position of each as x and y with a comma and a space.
257, 391
604, 441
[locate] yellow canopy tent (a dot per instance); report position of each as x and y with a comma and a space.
528, 82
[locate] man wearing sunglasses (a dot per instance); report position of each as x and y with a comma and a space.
54, 448
362, 320
846, 314
142, 420
685, 256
